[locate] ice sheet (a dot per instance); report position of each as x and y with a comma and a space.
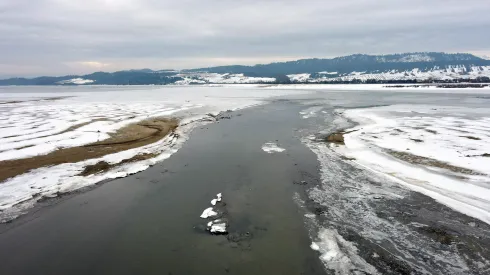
218, 228
340, 255
272, 148
353, 198
208, 212
456, 136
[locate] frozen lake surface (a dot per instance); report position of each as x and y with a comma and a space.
408, 193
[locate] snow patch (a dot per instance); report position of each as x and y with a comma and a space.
271, 148
76, 81
450, 72
215, 78
339, 254
299, 77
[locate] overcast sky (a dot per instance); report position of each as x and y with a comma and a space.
53, 37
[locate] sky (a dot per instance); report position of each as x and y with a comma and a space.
60, 37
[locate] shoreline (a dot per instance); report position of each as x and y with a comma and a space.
456, 186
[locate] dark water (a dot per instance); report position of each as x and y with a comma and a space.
149, 223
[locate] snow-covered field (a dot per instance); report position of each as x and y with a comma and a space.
376, 87
36, 121
34, 128
453, 141
206, 78
77, 81
436, 73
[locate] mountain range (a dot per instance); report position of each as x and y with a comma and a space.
358, 68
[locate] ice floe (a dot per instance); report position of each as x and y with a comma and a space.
315, 246
271, 148
217, 226
341, 255
310, 112
208, 212
218, 199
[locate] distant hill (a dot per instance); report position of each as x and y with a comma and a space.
358, 68
131, 77
355, 63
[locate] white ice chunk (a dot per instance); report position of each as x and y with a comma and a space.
315, 246
272, 148
208, 212
218, 228
213, 201
341, 255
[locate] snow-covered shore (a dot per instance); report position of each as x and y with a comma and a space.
439, 151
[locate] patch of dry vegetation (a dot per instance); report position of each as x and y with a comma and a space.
103, 166
418, 160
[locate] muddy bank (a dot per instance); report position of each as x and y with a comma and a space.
129, 137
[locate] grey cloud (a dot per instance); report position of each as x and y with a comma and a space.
43, 36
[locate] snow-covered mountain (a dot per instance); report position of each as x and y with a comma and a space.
358, 68
417, 67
